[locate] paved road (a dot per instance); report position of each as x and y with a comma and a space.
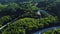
44, 30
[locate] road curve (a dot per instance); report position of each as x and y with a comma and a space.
46, 29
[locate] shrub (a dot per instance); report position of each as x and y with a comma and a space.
4, 19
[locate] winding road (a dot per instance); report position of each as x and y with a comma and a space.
46, 29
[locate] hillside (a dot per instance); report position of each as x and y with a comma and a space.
27, 16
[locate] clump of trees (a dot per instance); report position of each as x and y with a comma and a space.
4, 19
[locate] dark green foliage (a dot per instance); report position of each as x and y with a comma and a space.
52, 6
4, 19
27, 12
22, 9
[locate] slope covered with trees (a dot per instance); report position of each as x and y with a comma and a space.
28, 25
29, 21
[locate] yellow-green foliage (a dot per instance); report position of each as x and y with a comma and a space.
28, 24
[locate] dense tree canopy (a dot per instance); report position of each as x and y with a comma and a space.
28, 21
28, 24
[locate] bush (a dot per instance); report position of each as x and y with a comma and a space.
47, 20
4, 19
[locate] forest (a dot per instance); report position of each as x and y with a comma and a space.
21, 16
